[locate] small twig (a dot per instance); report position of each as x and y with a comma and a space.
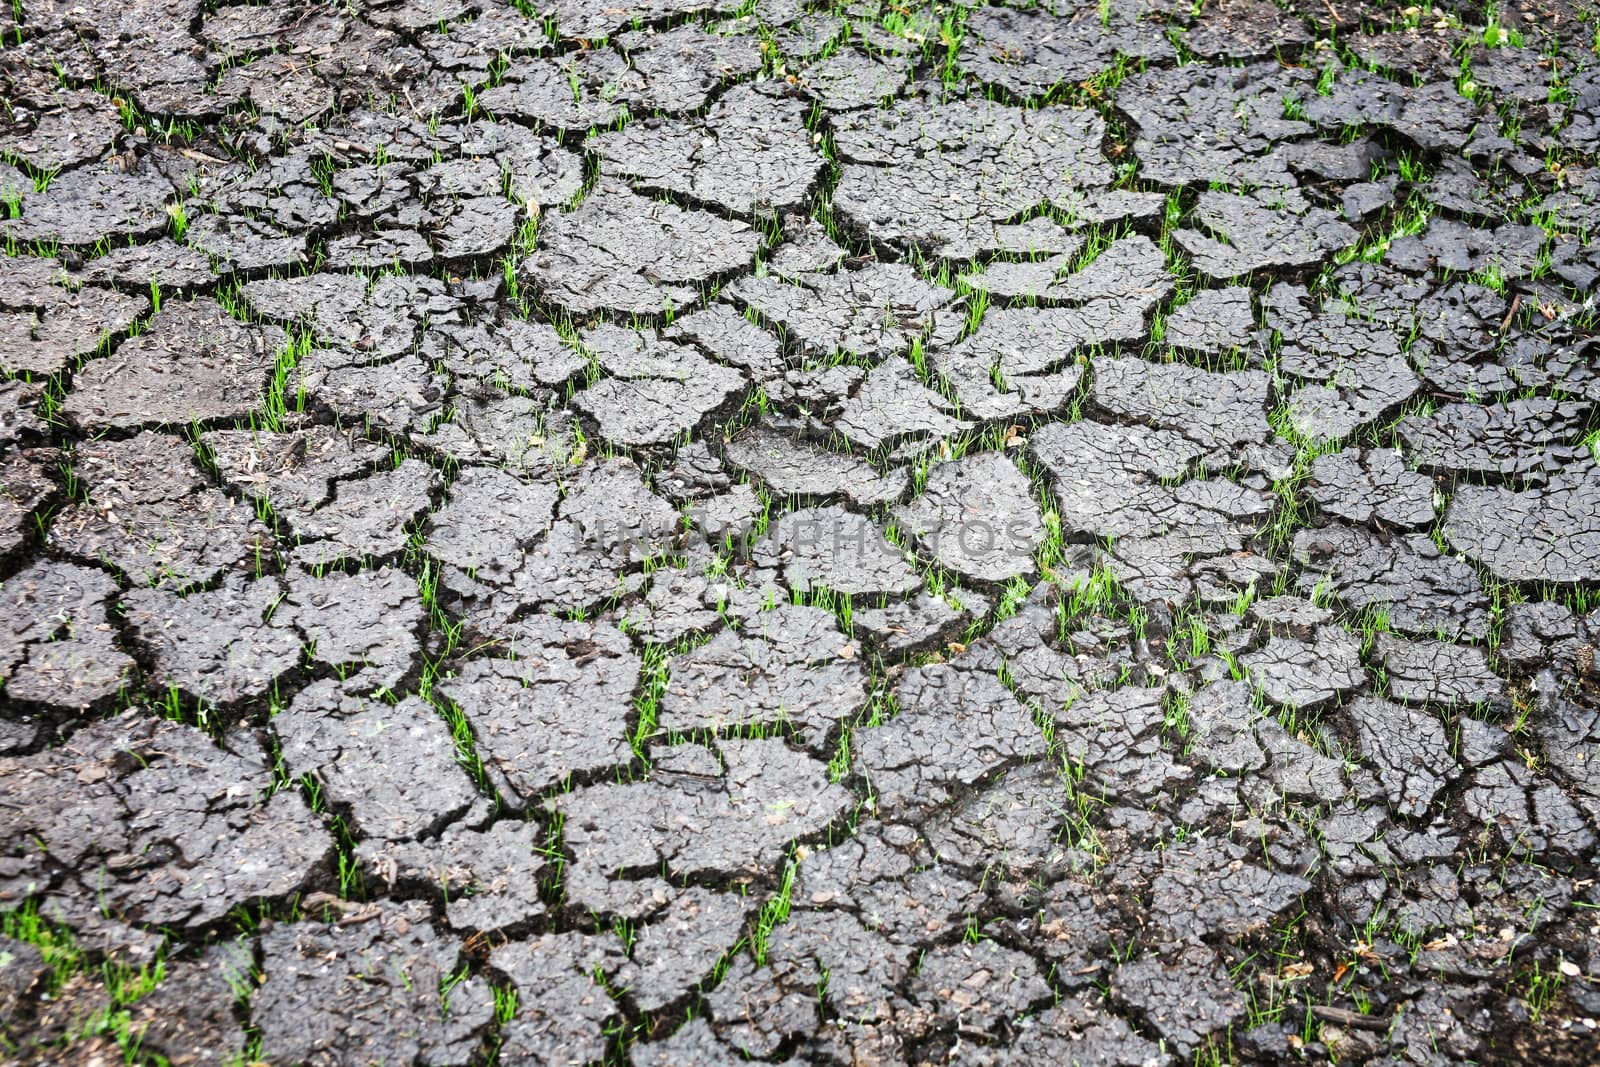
1505, 323
201, 157
1349, 1019
350, 146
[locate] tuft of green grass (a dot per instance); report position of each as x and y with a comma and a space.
772, 913
123, 984
1539, 989
647, 704
276, 408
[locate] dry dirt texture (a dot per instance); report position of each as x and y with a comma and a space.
807, 531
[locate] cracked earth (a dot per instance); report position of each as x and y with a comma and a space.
704, 531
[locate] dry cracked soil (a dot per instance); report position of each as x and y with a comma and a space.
675, 532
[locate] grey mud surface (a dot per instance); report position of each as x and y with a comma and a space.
799, 531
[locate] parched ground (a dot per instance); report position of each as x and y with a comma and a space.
676, 532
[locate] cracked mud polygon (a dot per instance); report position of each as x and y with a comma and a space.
799, 531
